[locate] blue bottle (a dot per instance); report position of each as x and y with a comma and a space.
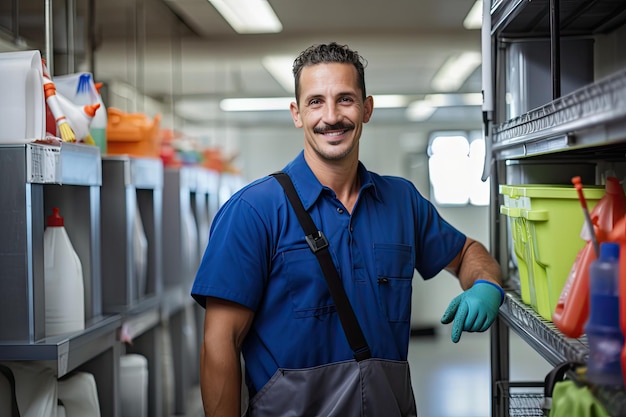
603, 327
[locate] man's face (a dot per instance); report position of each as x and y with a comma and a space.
331, 110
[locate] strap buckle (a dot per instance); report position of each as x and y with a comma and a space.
317, 241
362, 353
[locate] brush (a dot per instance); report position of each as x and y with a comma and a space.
583, 202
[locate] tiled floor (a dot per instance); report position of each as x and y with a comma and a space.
453, 380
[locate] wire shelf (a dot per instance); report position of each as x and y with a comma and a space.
541, 334
520, 399
555, 347
525, 405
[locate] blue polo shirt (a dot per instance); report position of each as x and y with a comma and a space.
257, 256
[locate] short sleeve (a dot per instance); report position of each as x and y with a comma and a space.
438, 242
236, 261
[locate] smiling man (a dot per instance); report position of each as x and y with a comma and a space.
266, 295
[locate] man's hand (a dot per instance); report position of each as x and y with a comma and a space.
475, 309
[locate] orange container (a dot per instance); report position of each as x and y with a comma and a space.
572, 309
132, 134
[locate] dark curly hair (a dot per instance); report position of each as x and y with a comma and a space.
329, 53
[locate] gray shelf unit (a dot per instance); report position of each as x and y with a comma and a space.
35, 178
586, 125
204, 203
180, 262
179, 238
132, 190
593, 118
130, 185
146, 332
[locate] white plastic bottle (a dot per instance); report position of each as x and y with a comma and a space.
63, 280
134, 385
98, 126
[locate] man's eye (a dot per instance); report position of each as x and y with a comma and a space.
314, 102
346, 99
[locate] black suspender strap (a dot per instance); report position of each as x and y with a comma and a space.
319, 246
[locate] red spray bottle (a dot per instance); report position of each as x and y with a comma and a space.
572, 309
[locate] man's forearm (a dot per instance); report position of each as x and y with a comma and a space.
476, 263
220, 382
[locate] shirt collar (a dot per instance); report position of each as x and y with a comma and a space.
308, 186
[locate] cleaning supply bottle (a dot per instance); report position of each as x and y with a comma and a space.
63, 280
618, 234
604, 333
572, 309
98, 125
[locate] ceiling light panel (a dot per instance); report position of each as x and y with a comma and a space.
256, 104
420, 110
281, 68
283, 103
455, 71
249, 16
474, 19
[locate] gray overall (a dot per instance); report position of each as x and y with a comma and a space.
362, 387
367, 388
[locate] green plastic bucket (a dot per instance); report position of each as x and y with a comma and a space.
545, 221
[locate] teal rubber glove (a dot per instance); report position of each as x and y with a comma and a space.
475, 309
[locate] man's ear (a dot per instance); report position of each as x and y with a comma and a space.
295, 115
369, 108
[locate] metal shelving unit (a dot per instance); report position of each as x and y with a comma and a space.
586, 124
592, 118
179, 237
540, 334
35, 178
180, 262
204, 206
100, 198
544, 337
132, 194
526, 405
67, 352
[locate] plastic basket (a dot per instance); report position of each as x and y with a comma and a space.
545, 222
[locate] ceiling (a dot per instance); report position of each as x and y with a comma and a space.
404, 42
184, 49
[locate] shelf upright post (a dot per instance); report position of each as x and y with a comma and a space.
180, 262
555, 48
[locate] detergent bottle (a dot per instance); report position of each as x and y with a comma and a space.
572, 309
63, 280
606, 340
80, 92
618, 234
98, 125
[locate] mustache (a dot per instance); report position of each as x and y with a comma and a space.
336, 126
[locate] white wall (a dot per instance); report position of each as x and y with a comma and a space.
430, 298
264, 150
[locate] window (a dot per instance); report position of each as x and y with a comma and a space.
455, 166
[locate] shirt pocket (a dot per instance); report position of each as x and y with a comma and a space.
395, 264
307, 286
